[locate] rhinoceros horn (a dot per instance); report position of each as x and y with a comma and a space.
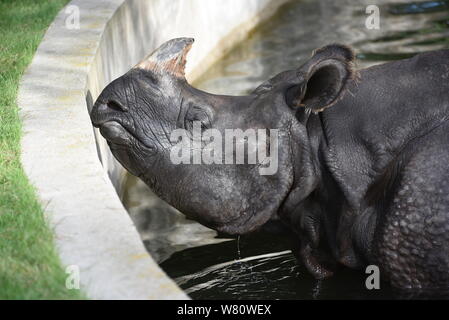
170, 57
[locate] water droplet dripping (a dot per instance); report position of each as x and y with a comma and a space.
238, 248
316, 290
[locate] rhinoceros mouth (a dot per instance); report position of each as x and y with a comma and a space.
116, 133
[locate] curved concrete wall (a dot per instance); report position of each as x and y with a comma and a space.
60, 150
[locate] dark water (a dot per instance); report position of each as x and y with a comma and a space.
261, 266
264, 269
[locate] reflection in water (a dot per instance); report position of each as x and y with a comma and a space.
419, 7
266, 269
259, 266
228, 280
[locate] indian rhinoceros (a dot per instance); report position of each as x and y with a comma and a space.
362, 156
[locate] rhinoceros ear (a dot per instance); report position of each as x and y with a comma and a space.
326, 74
169, 58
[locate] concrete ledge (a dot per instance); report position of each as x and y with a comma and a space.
60, 150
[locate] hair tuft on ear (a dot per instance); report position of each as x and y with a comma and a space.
340, 52
334, 50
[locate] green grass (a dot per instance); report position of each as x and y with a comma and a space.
29, 265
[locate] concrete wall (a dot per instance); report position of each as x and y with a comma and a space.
60, 151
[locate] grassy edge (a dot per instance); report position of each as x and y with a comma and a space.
30, 267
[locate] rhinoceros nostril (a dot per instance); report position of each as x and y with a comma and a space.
117, 106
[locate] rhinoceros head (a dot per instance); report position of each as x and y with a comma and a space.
151, 115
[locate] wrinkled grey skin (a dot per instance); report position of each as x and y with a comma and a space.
363, 157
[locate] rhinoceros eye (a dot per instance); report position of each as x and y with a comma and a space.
199, 115
151, 78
